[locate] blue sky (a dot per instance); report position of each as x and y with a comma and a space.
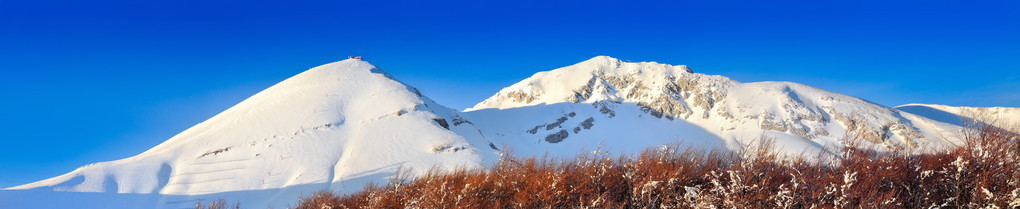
90, 81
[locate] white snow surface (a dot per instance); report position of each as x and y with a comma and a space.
341, 125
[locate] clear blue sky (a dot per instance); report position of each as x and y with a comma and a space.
90, 81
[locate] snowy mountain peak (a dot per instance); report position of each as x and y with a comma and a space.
597, 79
603, 60
605, 64
335, 126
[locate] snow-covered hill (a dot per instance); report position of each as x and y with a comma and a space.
335, 126
343, 124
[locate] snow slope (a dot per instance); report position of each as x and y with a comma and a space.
1006, 117
335, 126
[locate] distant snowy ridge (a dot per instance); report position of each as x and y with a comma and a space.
1006, 117
343, 124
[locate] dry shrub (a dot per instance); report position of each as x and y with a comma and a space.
983, 173
217, 204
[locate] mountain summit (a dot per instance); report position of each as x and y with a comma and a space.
597, 79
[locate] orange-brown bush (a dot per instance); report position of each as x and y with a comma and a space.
217, 204
983, 173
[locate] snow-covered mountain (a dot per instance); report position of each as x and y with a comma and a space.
343, 124
336, 126
608, 99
